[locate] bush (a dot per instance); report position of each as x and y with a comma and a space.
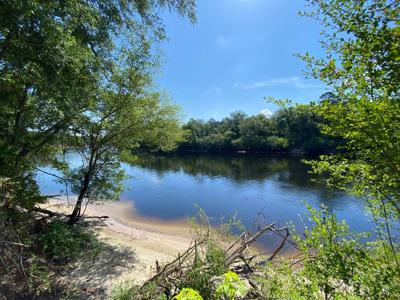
128, 291
38, 277
123, 291
335, 265
280, 282
231, 287
61, 241
199, 278
188, 294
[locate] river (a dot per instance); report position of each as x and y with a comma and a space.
174, 186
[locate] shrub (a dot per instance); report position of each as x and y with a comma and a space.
128, 291
188, 294
231, 287
38, 277
336, 264
124, 291
198, 278
61, 241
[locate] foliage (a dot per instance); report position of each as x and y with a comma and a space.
63, 242
199, 278
188, 294
289, 129
280, 281
332, 256
361, 67
38, 277
120, 122
34, 252
127, 291
231, 287
61, 63
334, 264
123, 291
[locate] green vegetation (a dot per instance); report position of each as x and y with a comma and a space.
77, 75
362, 42
332, 263
62, 242
188, 294
35, 251
290, 129
231, 287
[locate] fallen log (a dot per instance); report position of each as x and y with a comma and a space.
58, 214
49, 212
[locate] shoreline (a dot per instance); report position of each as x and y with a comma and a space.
146, 239
134, 245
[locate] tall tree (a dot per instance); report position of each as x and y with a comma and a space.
125, 115
361, 66
54, 57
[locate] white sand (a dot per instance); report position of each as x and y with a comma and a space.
137, 242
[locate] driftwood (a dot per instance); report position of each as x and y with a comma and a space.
49, 212
95, 217
245, 243
169, 276
57, 214
173, 265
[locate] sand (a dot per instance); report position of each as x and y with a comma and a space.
134, 245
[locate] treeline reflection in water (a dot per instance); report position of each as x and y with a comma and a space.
169, 186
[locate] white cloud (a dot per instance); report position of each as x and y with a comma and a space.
266, 112
292, 81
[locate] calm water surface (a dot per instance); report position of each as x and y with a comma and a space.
170, 186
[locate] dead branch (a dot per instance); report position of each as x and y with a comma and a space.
171, 274
15, 244
246, 243
171, 266
276, 251
48, 212
57, 214
95, 217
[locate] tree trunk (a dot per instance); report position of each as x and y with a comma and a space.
77, 209
94, 155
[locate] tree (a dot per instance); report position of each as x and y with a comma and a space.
290, 128
54, 57
122, 119
301, 126
361, 66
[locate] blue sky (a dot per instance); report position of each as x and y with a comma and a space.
238, 52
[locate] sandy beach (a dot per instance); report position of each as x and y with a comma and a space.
135, 244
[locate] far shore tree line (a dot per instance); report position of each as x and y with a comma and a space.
291, 129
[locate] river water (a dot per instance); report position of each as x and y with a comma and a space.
174, 186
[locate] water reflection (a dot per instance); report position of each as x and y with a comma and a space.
289, 172
168, 186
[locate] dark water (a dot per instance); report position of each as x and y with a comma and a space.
169, 187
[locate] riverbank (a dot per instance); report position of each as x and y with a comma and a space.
134, 244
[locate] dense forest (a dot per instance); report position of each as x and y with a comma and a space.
292, 129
